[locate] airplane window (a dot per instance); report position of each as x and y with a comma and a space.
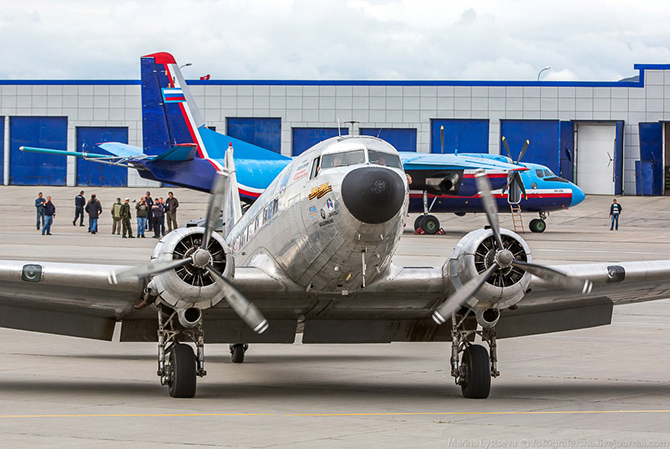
539, 173
342, 159
548, 173
315, 168
387, 159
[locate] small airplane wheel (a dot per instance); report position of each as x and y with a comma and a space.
417, 221
430, 224
237, 352
537, 225
182, 361
475, 372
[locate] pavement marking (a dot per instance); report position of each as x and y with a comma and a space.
175, 415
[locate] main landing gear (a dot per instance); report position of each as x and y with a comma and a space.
178, 365
426, 222
538, 224
475, 369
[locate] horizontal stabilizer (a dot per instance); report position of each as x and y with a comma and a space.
62, 152
179, 153
122, 149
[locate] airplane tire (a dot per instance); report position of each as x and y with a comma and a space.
237, 353
182, 360
476, 372
430, 224
537, 225
417, 221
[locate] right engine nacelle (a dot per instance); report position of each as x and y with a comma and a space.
473, 255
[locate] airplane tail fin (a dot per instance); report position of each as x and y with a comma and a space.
170, 116
232, 208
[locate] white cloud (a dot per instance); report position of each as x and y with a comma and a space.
329, 39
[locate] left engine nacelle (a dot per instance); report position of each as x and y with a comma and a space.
189, 286
472, 256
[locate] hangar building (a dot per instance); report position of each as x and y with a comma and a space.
608, 137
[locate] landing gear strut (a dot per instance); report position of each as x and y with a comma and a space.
475, 369
178, 366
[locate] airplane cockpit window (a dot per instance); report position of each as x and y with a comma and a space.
387, 159
315, 168
539, 173
548, 173
342, 159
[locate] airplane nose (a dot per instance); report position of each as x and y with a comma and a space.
373, 194
578, 195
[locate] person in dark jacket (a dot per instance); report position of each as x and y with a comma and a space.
93, 209
141, 214
125, 219
615, 210
157, 212
39, 206
49, 214
171, 206
150, 203
79, 204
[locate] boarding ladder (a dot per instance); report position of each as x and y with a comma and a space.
517, 220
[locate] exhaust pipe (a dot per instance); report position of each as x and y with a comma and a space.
189, 318
487, 318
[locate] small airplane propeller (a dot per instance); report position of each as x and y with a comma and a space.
516, 176
201, 258
503, 259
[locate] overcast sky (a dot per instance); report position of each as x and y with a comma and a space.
327, 39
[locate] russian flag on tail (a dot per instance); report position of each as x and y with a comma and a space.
173, 95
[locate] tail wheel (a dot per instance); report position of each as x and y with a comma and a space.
182, 361
537, 225
475, 376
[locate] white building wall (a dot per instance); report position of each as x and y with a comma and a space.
374, 106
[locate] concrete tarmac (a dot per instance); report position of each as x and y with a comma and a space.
601, 387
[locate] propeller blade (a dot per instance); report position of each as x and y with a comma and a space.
520, 182
241, 305
215, 207
523, 151
148, 269
555, 277
509, 153
442, 139
489, 205
455, 301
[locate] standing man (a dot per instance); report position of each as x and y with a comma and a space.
125, 217
141, 214
150, 203
39, 206
93, 209
157, 212
49, 214
79, 203
171, 212
615, 210
116, 217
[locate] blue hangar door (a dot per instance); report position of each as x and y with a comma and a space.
2, 153
30, 169
544, 137
466, 136
651, 158
306, 138
262, 132
402, 139
94, 173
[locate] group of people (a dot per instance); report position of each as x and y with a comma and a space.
151, 214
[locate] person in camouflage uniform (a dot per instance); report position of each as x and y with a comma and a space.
125, 219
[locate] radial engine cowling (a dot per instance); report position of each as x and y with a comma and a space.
190, 286
473, 255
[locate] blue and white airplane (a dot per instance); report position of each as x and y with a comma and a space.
180, 149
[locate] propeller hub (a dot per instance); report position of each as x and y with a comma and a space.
201, 258
504, 258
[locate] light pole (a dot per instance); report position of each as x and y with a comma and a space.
540, 72
185, 65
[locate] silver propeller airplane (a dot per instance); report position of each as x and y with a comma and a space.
316, 248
